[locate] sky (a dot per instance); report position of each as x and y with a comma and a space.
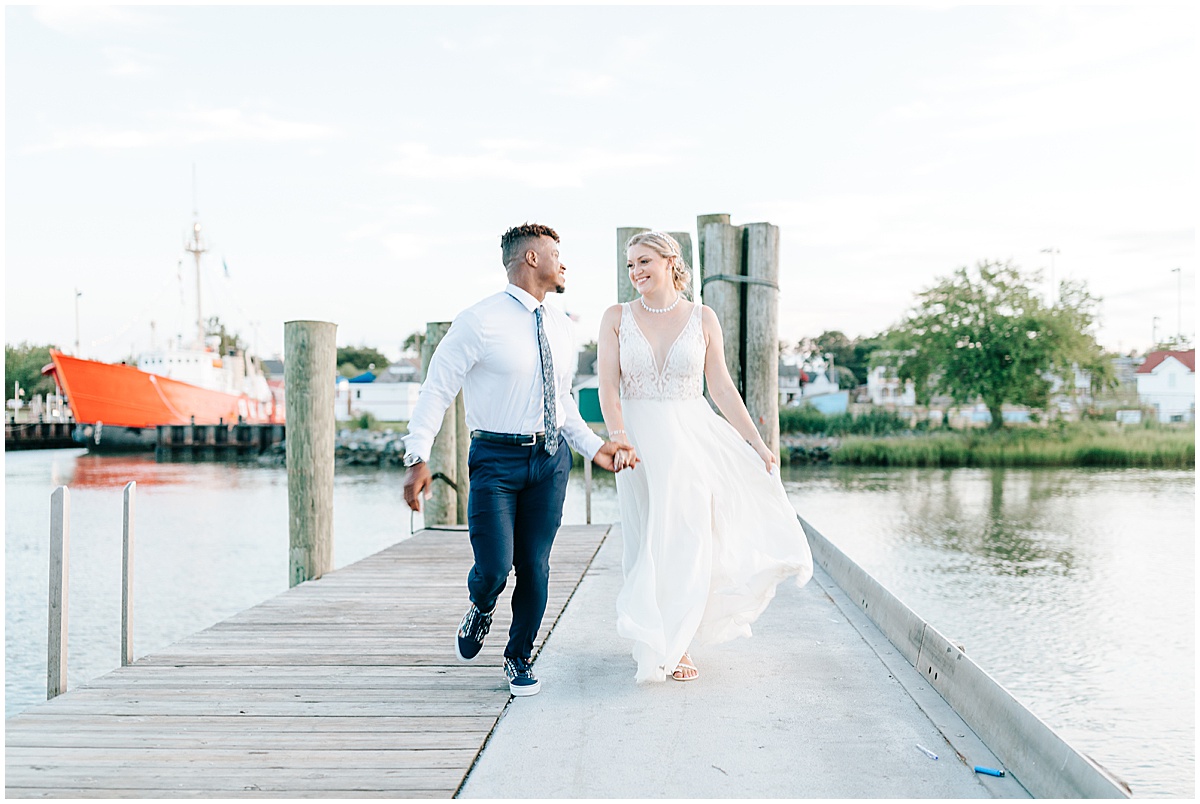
358, 165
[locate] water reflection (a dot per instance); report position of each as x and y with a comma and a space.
1002, 537
1073, 588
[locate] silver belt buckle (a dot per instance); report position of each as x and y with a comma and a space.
532, 441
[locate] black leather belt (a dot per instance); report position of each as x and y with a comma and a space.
512, 439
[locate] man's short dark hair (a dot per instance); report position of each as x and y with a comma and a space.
515, 240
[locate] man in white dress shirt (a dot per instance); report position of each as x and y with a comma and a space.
512, 357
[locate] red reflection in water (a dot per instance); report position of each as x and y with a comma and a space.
114, 471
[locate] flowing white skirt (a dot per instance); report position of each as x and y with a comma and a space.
708, 534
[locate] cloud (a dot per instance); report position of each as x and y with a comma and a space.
399, 244
189, 127
125, 61
1169, 242
536, 164
77, 20
585, 84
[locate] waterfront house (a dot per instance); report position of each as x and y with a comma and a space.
406, 369
386, 401
883, 388
1166, 382
790, 378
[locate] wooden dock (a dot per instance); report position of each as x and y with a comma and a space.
212, 442
38, 435
344, 687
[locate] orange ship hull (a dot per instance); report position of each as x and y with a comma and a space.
123, 396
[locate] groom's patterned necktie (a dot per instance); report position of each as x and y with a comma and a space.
548, 405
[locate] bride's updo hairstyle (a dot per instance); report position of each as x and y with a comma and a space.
666, 246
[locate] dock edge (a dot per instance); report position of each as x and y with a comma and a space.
1045, 764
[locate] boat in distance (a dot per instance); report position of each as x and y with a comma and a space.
120, 406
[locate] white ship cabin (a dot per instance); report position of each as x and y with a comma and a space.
232, 374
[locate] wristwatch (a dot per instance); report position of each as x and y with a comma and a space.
412, 459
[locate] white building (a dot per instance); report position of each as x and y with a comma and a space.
1167, 383
386, 401
789, 384
883, 387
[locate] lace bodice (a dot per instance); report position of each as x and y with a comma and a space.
682, 374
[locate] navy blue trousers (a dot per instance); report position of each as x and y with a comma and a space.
513, 511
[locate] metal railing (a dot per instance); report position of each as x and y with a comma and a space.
60, 550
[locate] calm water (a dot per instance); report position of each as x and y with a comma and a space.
1074, 589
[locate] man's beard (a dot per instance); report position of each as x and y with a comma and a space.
560, 287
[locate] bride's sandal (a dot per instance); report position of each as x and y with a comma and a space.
686, 671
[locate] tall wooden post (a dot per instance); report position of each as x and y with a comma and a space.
462, 446
685, 247
701, 222
129, 498
60, 548
310, 376
625, 289
762, 330
723, 257
442, 507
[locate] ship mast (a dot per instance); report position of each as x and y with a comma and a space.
196, 248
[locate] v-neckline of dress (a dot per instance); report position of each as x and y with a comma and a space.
658, 372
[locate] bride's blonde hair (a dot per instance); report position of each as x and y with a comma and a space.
666, 246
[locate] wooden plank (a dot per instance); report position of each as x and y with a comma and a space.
341, 687
257, 741
165, 760
116, 724
231, 779
272, 792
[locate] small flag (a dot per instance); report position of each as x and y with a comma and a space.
225, 266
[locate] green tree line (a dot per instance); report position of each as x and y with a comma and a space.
981, 334
23, 364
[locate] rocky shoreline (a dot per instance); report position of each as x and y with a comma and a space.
385, 449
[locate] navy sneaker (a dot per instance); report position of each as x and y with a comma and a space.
521, 680
471, 631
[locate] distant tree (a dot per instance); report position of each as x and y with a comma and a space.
23, 364
1173, 343
853, 354
354, 360
984, 334
215, 327
860, 362
413, 342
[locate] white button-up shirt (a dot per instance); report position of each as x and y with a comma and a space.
491, 352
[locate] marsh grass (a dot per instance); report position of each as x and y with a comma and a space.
1080, 444
806, 419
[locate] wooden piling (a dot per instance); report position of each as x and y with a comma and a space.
310, 368
60, 544
442, 507
685, 247
587, 490
462, 445
761, 369
127, 574
701, 222
723, 256
625, 289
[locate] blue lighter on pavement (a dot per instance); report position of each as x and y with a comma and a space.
988, 771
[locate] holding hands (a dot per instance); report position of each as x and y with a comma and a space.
616, 456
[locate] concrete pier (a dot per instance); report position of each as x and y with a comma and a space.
804, 709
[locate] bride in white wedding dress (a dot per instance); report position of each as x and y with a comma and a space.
708, 529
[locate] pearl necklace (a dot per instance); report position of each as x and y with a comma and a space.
667, 309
